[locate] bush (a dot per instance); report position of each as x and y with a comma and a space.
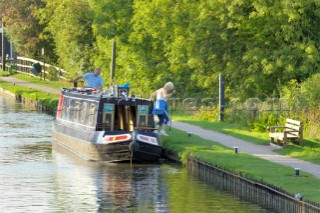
264, 120
207, 114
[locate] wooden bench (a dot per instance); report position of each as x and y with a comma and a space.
292, 131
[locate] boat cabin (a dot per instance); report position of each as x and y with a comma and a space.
116, 111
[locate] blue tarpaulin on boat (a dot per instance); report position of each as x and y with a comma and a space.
123, 86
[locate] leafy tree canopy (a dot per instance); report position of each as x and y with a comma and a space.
259, 46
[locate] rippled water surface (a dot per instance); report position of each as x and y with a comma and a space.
38, 178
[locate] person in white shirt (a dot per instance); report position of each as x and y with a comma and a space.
161, 107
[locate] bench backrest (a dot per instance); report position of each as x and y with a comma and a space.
294, 125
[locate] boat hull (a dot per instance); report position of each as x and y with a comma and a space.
102, 127
134, 150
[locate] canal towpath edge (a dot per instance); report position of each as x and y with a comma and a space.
261, 151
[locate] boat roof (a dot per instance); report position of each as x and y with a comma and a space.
94, 95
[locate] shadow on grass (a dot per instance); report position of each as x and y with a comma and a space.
310, 151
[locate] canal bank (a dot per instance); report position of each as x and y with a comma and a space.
36, 97
40, 177
227, 141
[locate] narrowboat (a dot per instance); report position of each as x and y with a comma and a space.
110, 126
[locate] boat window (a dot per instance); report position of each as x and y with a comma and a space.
76, 111
142, 118
65, 109
92, 114
83, 112
107, 117
70, 110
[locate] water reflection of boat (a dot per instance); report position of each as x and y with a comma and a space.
106, 127
109, 187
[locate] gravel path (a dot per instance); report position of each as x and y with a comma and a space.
16, 81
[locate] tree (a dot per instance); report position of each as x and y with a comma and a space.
274, 42
22, 25
259, 46
69, 25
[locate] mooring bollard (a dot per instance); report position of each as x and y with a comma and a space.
235, 149
297, 171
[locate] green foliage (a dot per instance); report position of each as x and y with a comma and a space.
265, 120
305, 94
258, 46
207, 114
69, 25
305, 101
22, 26
49, 102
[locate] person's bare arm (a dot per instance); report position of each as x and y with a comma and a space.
154, 94
76, 79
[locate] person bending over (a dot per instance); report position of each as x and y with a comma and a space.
161, 107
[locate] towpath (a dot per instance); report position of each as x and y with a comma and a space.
30, 85
261, 151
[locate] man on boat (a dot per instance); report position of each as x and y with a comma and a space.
93, 79
161, 107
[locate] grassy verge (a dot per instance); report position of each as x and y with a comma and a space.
310, 151
38, 80
46, 99
261, 138
244, 164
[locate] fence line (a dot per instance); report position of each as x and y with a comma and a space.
24, 65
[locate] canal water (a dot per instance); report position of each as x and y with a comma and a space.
36, 177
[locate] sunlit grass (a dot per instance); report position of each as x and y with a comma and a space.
234, 130
244, 164
37, 80
47, 99
310, 151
